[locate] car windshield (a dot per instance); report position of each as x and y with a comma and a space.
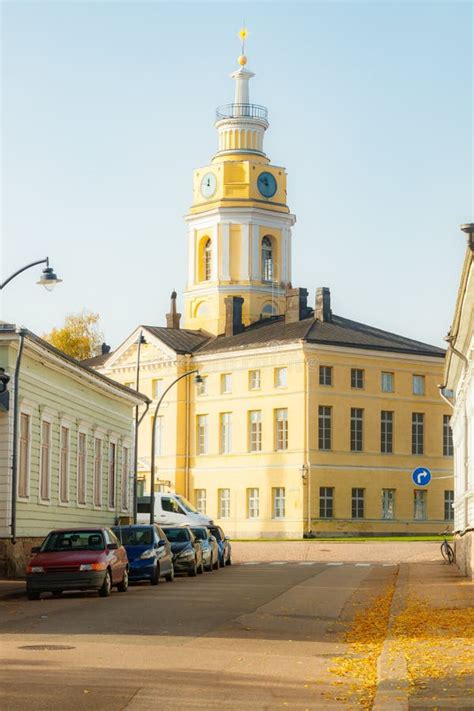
186, 504
216, 533
140, 536
73, 541
200, 533
177, 535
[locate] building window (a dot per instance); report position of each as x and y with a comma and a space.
125, 477
281, 429
24, 457
448, 505
417, 432
140, 487
207, 260
81, 469
386, 432
278, 496
254, 380
419, 508
358, 503
226, 383
202, 386
201, 437
388, 504
112, 472
45, 466
158, 388
253, 503
226, 432
267, 259
200, 499
418, 385
159, 428
224, 503
324, 427
447, 437
97, 472
64, 466
326, 502
387, 382
281, 377
325, 375
357, 429
255, 431
357, 379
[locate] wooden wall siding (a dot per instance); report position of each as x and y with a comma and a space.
50, 392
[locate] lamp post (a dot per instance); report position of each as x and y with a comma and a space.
48, 277
141, 340
198, 379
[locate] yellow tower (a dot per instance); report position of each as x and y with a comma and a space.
239, 225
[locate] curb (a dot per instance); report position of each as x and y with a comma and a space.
13, 592
392, 674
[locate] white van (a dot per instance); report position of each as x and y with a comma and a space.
170, 508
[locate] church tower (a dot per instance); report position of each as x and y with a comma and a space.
239, 225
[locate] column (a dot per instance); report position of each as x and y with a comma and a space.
191, 257
255, 252
215, 253
225, 250
245, 254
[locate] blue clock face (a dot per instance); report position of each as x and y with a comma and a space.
267, 184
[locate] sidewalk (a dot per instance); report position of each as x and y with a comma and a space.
427, 660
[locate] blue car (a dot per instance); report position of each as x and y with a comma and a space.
223, 542
149, 552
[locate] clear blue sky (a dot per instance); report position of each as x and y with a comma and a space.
108, 107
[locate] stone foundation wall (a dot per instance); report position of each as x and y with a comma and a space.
14, 557
464, 548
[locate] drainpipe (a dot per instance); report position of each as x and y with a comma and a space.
443, 396
21, 334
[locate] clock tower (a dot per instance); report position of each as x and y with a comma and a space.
239, 225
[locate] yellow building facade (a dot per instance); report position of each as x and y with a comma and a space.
306, 423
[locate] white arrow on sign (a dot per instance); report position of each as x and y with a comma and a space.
422, 475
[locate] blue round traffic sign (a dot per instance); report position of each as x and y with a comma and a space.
421, 476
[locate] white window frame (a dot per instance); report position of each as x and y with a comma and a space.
281, 429
255, 379
200, 497
420, 504
201, 387
226, 383
391, 378
255, 435
418, 379
113, 441
224, 503
202, 434
225, 433
98, 504
49, 418
158, 385
388, 497
253, 503
84, 432
278, 502
125, 476
28, 412
67, 425
281, 377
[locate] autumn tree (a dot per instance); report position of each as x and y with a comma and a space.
80, 337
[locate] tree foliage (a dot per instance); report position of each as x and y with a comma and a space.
79, 337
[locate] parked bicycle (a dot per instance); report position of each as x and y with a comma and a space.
447, 551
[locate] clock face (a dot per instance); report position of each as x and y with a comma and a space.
267, 184
208, 185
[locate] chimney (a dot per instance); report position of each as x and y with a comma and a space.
104, 349
322, 311
233, 315
296, 305
173, 318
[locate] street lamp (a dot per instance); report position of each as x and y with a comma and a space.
140, 341
48, 277
197, 380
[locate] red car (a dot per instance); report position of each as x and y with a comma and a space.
77, 559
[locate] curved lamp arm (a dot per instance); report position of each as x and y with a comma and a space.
23, 269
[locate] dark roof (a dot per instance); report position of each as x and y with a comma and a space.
339, 332
181, 340
96, 361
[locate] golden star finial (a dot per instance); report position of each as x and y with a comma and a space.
242, 60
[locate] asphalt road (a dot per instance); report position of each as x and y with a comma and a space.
258, 635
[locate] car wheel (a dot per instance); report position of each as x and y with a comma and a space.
170, 577
192, 572
216, 565
33, 595
155, 578
123, 586
229, 561
106, 588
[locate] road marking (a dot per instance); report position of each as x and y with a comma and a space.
363, 565
279, 562
308, 562
388, 565
334, 564
253, 562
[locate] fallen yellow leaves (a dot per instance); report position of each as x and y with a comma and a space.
365, 637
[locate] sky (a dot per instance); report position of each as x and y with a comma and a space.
107, 107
